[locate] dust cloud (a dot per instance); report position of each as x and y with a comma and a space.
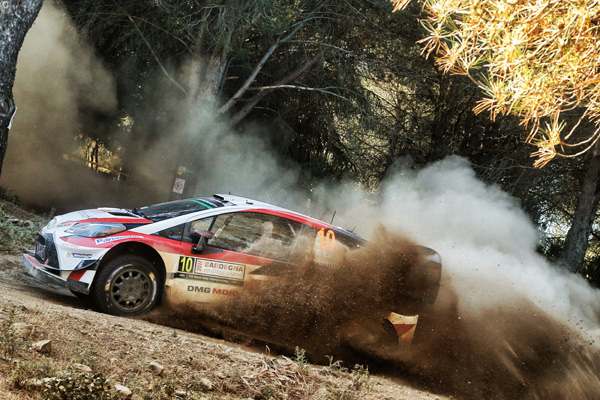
506, 323
318, 307
64, 95
56, 75
221, 161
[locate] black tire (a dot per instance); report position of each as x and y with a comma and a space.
127, 285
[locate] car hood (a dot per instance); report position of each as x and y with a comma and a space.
107, 214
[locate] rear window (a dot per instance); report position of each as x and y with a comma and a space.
172, 209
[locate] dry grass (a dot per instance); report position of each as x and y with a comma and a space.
121, 351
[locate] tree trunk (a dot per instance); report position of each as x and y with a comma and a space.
576, 243
16, 17
215, 70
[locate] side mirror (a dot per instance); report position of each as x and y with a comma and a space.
203, 237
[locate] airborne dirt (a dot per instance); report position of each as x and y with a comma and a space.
323, 308
520, 350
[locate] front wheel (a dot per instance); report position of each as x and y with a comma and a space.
126, 286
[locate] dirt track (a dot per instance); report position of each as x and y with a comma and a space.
123, 349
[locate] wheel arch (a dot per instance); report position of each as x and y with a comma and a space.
139, 249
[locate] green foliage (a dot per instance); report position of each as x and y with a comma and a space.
9, 341
361, 378
16, 233
300, 358
7, 196
163, 388
25, 373
335, 367
342, 93
77, 386
357, 387
84, 354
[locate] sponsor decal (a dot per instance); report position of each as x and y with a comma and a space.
114, 238
208, 290
198, 289
79, 255
227, 270
212, 270
225, 292
205, 278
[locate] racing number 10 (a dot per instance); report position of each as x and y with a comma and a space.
186, 264
327, 239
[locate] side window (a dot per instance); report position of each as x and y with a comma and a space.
174, 233
258, 234
190, 226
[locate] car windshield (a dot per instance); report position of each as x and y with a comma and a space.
172, 209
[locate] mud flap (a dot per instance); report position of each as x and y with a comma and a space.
404, 326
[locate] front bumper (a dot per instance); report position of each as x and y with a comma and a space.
76, 281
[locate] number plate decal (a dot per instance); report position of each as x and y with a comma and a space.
211, 270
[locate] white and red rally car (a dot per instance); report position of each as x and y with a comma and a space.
196, 250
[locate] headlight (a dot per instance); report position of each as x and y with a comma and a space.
93, 230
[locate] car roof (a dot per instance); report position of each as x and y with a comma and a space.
177, 208
231, 200
240, 203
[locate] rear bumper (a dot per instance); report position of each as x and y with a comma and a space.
73, 282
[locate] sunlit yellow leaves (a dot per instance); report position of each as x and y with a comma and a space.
534, 58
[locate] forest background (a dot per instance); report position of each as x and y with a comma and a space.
117, 100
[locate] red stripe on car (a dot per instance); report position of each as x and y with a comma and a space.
76, 275
401, 329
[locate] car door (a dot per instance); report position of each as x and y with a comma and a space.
246, 249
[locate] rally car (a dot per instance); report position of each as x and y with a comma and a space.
200, 250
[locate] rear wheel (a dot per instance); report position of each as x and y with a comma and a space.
127, 285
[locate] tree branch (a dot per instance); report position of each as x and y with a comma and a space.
240, 92
248, 107
164, 70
